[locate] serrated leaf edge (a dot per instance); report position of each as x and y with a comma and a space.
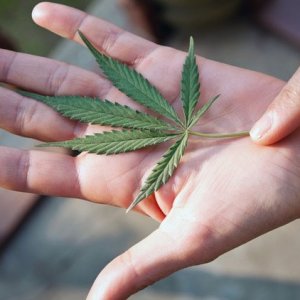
112, 112
114, 142
158, 176
198, 114
155, 101
190, 84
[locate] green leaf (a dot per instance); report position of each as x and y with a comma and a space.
132, 83
202, 111
190, 85
96, 111
114, 142
163, 170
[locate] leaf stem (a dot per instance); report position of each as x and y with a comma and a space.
220, 135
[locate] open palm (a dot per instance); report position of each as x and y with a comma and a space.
224, 192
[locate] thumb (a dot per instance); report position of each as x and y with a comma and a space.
282, 116
155, 257
163, 252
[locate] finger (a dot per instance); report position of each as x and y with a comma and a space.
29, 118
51, 174
47, 76
39, 172
55, 174
110, 39
137, 268
168, 249
141, 54
282, 116
149, 207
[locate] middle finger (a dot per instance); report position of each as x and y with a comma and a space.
50, 77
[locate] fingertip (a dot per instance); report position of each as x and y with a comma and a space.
268, 139
264, 140
262, 129
271, 128
255, 135
39, 12
54, 17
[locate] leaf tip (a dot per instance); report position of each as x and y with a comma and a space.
42, 145
135, 202
80, 33
84, 38
192, 45
191, 40
52, 144
131, 206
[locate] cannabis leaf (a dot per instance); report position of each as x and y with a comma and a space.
139, 129
190, 85
163, 170
132, 83
198, 114
101, 112
114, 142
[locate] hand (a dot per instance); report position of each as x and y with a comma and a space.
282, 116
223, 194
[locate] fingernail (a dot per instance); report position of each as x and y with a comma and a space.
261, 127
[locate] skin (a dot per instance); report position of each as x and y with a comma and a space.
282, 116
223, 194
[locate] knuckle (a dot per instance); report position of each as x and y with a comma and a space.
110, 40
22, 172
82, 19
19, 116
57, 78
25, 114
202, 247
127, 259
194, 244
6, 68
290, 96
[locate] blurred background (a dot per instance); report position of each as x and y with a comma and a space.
53, 248
18, 31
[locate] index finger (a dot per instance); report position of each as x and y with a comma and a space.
108, 38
